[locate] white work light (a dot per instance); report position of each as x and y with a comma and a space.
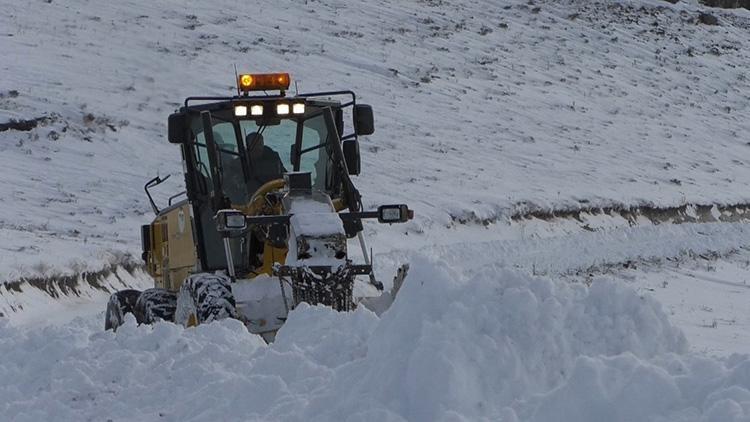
282, 109
298, 108
240, 111
256, 110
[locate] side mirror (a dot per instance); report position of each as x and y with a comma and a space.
394, 213
145, 242
351, 155
339, 115
177, 126
364, 123
230, 221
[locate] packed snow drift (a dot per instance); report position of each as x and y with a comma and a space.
483, 109
496, 346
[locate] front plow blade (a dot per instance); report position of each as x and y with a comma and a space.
382, 303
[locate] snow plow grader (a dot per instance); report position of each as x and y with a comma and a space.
267, 213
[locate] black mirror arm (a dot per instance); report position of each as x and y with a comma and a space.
156, 181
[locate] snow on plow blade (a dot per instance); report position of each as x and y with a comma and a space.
380, 304
264, 302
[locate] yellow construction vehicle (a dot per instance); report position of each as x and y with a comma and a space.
267, 211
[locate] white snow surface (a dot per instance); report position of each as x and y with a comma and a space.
495, 346
27, 305
484, 109
314, 218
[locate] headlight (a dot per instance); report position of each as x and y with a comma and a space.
240, 111
282, 109
235, 221
394, 213
256, 110
230, 220
390, 214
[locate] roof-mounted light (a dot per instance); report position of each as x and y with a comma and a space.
263, 82
298, 108
240, 111
282, 109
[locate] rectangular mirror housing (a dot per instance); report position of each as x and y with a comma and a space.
351, 156
339, 117
364, 123
145, 242
177, 125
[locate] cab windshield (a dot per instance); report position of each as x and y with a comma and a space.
248, 161
245, 161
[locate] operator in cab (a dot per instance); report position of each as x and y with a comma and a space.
265, 163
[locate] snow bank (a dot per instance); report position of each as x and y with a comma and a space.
670, 388
483, 109
471, 347
57, 299
490, 347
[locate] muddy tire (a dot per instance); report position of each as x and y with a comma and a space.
205, 298
155, 305
120, 303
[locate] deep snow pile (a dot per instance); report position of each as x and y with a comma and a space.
491, 347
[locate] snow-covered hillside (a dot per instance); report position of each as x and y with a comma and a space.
555, 152
484, 109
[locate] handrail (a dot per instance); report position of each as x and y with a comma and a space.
175, 196
150, 184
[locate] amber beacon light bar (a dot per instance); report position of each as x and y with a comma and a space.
263, 81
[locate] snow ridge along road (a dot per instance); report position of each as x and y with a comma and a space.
484, 110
